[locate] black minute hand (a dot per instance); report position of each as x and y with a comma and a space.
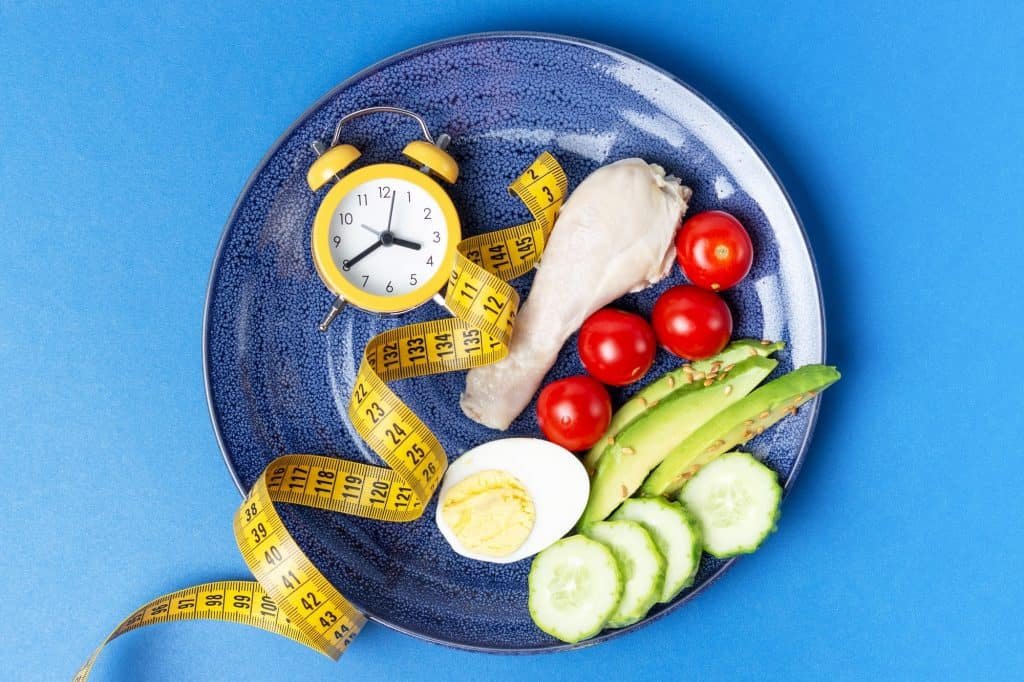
347, 265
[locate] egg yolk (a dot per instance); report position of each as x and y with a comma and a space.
489, 512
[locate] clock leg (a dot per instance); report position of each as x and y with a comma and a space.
336, 307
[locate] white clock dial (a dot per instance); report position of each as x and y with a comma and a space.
383, 261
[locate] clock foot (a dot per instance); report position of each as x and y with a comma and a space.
336, 307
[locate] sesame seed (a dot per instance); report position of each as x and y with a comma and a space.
643, 401
749, 422
751, 352
671, 381
728, 389
765, 342
764, 415
708, 382
625, 492
611, 440
628, 451
728, 368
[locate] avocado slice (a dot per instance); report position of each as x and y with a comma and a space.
737, 424
688, 377
645, 442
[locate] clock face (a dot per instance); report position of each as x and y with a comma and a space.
388, 236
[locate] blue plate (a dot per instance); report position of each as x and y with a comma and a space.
276, 385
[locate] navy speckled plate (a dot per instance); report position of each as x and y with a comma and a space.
276, 385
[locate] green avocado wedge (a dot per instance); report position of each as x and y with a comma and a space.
644, 443
737, 424
684, 378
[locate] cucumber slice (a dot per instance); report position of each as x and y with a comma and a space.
641, 564
574, 586
735, 499
676, 535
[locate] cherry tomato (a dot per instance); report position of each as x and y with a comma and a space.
574, 412
692, 323
616, 347
714, 250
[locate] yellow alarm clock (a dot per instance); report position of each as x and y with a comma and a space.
385, 235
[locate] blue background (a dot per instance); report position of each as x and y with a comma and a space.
127, 133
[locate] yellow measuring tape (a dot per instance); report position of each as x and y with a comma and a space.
290, 596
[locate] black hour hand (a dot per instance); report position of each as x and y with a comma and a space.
407, 244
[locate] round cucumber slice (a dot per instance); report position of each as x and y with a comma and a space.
676, 535
641, 564
574, 587
735, 499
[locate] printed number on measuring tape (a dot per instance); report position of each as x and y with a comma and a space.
290, 596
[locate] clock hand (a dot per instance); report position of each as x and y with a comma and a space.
391, 211
406, 243
370, 229
347, 265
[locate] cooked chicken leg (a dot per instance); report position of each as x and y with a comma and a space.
613, 235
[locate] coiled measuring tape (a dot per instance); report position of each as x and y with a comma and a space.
290, 596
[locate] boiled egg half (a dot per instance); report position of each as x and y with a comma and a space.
508, 499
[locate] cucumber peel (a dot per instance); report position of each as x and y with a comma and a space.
735, 499
676, 534
641, 564
574, 586
645, 443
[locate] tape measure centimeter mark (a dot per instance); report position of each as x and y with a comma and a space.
290, 596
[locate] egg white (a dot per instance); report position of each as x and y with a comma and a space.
553, 476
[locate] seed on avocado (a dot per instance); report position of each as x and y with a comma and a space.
625, 492
764, 415
643, 402
728, 389
628, 451
728, 368
671, 383
765, 342
749, 422
708, 382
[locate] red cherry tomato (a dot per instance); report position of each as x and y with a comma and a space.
574, 412
616, 347
692, 323
714, 250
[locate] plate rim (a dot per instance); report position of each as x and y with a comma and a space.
514, 35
